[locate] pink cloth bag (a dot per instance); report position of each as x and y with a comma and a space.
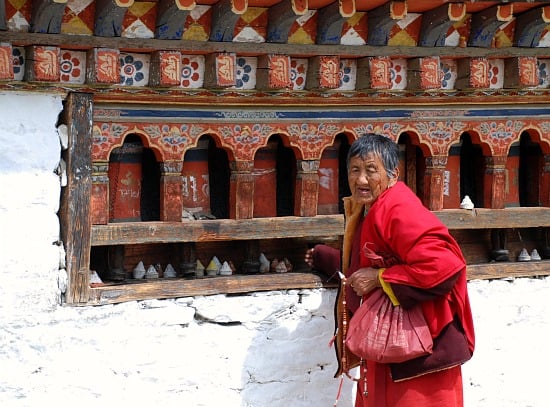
384, 333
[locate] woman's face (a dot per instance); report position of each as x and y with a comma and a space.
368, 178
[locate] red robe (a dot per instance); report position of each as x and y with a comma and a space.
398, 224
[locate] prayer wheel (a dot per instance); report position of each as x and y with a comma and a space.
265, 181
196, 179
125, 172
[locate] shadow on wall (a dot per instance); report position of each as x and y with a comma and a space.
289, 361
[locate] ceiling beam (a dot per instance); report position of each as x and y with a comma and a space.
142, 45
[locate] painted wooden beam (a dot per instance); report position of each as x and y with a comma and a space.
171, 17
109, 16
530, 26
224, 18
281, 18
87, 42
382, 19
47, 16
329, 24
485, 24
436, 23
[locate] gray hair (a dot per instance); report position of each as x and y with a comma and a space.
380, 146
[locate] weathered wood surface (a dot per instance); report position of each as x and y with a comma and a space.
286, 227
495, 270
484, 218
171, 288
217, 230
75, 211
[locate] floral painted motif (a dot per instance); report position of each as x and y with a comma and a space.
500, 134
18, 63
298, 72
134, 70
246, 73
192, 71
73, 67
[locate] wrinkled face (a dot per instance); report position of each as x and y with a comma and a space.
368, 178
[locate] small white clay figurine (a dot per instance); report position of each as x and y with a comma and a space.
466, 203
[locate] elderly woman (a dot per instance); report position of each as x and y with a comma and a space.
426, 267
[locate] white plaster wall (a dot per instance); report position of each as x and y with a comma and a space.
264, 349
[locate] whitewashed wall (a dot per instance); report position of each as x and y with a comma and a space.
265, 349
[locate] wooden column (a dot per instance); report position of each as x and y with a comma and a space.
494, 181
75, 214
435, 173
241, 190
545, 182
307, 188
171, 202
99, 200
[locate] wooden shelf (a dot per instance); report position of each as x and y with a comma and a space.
293, 226
172, 288
217, 230
287, 227
497, 270
484, 218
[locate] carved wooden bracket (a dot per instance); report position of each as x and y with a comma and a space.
170, 20
109, 15
436, 24
530, 26
329, 25
485, 24
3, 25
382, 19
224, 18
281, 18
47, 16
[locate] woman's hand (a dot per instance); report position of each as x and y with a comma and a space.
308, 257
364, 280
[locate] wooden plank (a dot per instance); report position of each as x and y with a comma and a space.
83, 42
508, 269
483, 218
287, 227
238, 284
217, 230
75, 211
172, 288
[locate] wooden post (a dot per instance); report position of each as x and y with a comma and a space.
75, 213
241, 190
435, 173
494, 182
171, 201
307, 188
545, 182
99, 199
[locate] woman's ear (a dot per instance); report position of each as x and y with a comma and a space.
395, 178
